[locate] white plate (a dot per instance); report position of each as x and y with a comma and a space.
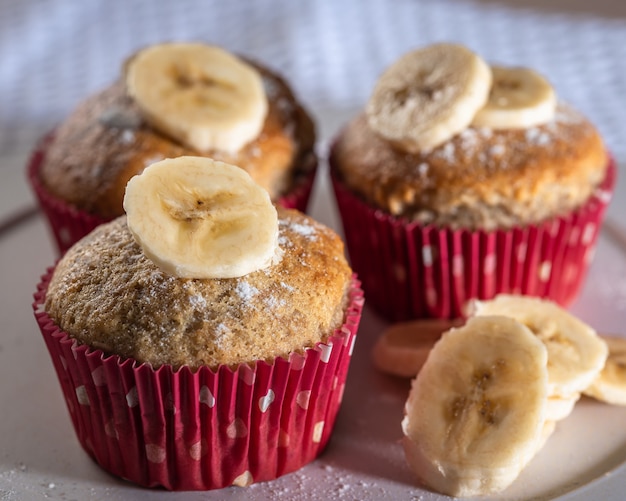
40, 457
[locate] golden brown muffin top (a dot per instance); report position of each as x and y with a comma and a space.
106, 141
480, 178
106, 294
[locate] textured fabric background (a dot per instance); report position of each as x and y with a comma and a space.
55, 52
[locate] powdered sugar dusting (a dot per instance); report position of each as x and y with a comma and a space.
306, 230
246, 291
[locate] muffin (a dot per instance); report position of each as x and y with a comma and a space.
172, 100
460, 181
201, 383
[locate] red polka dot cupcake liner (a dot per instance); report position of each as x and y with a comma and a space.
409, 270
204, 429
69, 224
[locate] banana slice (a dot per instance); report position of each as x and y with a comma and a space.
476, 411
200, 95
428, 96
610, 385
199, 218
519, 98
403, 347
559, 408
576, 354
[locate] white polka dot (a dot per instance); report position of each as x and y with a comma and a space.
431, 297
244, 479
458, 265
489, 264
574, 236
206, 397
283, 439
302, 399
318, 429
265, 401
521, 251
399, 272
155, 453
169, 403
544, 271
64, 235
352, 342
325, 352
603, 195
110, 430
340, 393
237, 429
98, 376
70, 406
39, 308
427, 255
246, 374
297, 362
81, 395
199, 449
570, 274
588, 233
132, 397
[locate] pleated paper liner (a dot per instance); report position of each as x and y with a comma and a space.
412, 271
208, 429
69, 224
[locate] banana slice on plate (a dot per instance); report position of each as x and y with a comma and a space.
610, 385
519, 98
200, 218
200, 95
558, 408
576, 354
428, 96
403, 348
475, 415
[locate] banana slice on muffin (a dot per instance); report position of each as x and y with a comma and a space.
200, 218
520, 98
428, 96
201, 95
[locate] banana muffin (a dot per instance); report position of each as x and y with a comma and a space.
460, 180
200, 383
108, 295
172, 100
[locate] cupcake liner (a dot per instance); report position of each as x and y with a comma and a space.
69, 224
66, 223
204, 429
409, 270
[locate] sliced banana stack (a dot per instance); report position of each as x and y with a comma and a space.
403, 348
610, 385
519, 98
428, 96
199, 218
476, 412
576, 354
200, 95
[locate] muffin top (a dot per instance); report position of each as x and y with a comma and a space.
448, 140
107, 294
480, 178
107, 140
